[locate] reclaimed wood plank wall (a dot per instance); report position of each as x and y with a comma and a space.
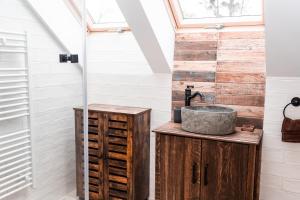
227, 67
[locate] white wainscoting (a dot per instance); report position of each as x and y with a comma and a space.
281, 161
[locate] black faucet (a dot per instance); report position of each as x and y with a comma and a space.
189, 96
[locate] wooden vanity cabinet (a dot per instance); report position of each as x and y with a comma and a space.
202, 167
119, 150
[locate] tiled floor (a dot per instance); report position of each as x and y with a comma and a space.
71, 196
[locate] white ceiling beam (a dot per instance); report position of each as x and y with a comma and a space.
153, 30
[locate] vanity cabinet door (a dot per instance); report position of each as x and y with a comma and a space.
178, 164
117, 156
225, 171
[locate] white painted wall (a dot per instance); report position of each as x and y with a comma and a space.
57, 17
56, 89
281, 161
119, 74
115, 53
282, 37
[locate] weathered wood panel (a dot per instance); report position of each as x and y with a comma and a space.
243, 100
141, 156
204, 76
79, 153
224, 77
234, 77
242, 44
240, 89
205, 36
240, 55
196, 45
195, 55
178, 164
208, 87
242, 35
195, 66
248, 111
240, 66
225, 175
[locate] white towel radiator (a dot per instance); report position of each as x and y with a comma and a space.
16, 164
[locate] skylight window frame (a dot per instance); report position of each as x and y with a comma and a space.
94, 27
180, 23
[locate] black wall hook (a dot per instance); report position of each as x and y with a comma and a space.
63, 58
294, 102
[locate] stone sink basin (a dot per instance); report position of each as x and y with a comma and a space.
210, 120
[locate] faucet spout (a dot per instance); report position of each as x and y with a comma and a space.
189, 98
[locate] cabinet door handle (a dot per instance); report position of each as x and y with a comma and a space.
195, 177
206, 174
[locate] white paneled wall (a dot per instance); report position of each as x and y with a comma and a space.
56, 88
115, 53
119, 74
151, 91
281, 161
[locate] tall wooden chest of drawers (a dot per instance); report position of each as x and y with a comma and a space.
119, 151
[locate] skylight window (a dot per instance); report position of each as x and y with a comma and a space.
195, 13
105, 12
103, 15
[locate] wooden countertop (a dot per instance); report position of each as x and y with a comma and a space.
115, 109
239, 136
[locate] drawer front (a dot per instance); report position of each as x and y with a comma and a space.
117, 162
